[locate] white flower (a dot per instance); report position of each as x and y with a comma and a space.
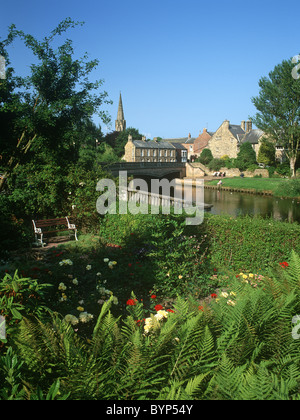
161, 314
224, 294
106, 260
230, 302
62, 286
66, 262
88, 267
75, 281
115, 300
98, 274
148, 324
71, 319
85, 317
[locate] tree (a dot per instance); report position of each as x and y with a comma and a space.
246, 156
266, 153
46, 112
122, 139
205, 157
278, 105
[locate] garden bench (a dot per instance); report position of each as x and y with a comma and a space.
40, 227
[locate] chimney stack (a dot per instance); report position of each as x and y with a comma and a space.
226, 124
129, 137
243, 125
249, 126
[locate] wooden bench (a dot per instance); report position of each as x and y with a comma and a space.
40, 227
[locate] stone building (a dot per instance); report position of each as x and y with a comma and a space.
186, 142
120, 123
149, 151
226, 140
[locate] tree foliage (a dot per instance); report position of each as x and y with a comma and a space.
266, 153
245, 157
47, 112
278, 106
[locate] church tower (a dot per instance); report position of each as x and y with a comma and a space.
120, 123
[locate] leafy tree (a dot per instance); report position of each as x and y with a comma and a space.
266, 153
246, 156
278, 105
52, 106
122, 139
205, 157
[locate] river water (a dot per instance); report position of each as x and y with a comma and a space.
235, 203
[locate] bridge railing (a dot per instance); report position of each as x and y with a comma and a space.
159, 200
148, 165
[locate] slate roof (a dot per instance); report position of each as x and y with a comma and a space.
178, 146
186, 140
252, 136
236, 131
151, 144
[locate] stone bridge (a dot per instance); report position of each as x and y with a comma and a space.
149, 169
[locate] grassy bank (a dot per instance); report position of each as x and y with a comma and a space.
278, 187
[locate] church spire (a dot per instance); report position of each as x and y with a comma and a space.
120, 121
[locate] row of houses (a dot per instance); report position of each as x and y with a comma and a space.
225, 141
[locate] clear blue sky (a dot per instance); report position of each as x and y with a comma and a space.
181, 65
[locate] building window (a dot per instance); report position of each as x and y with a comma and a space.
142, 152
148, 152
166, 153
154, 152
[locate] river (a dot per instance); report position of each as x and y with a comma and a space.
235, 203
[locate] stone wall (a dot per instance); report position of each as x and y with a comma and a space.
223, 142
129, 155
194, 170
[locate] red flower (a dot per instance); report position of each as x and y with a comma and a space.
213, 295
170, 310
129, 264
284, 264
153, 297
200, 308
131, 302
158, 307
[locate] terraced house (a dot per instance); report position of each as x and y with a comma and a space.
149, 151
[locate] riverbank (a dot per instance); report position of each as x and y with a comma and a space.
277, 187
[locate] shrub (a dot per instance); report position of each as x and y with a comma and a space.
239, 345
249, 242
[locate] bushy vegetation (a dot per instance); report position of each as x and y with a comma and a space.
154, 309
241, 344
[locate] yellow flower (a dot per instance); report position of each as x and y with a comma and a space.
232, 294
80, 308
244, 276
180, 276
251, 275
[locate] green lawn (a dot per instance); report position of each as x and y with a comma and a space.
259, 184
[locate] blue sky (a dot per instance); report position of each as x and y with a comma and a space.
180, 65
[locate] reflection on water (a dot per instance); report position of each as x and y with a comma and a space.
233, 203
